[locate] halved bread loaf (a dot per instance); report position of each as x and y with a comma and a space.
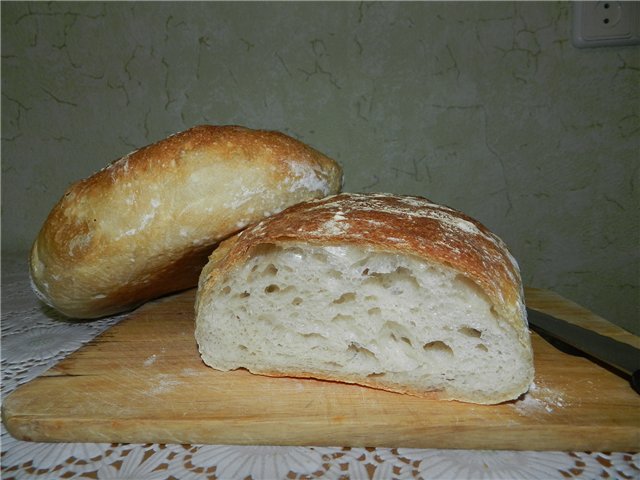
143, 226
392, 292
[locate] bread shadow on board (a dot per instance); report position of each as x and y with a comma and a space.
52, 314
56, 316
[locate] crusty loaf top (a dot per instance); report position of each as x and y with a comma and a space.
127, 178
392, 223
229, 142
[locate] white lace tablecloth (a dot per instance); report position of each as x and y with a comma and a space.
34, 338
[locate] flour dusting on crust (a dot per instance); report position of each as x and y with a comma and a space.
306, 177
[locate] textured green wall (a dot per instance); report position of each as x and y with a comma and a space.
486, 107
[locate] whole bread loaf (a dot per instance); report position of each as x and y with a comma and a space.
392, 292
143, 226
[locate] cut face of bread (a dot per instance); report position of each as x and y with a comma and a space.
358, 313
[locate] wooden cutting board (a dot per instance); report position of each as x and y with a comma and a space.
143, 381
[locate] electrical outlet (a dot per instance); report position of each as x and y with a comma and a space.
605, 23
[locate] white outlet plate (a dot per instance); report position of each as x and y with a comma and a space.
605, 23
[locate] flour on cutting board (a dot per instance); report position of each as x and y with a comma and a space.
163, 383
150, 360
540, 398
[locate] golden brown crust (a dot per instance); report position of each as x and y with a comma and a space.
144, 225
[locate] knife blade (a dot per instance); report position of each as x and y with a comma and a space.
618, 355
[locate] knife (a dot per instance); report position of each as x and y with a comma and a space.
620, 356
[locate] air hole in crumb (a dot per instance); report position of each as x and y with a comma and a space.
268, 318
345, 297
243, 347
376, 374
360, 350
402, 339
226, 290
438, 346
365, 272
313, 335
320, 257
334, 273
374, 311
272, 288
482, 346
244, 294
340, 317
296, 301
334, 364
470, 332
371, 298
270, 271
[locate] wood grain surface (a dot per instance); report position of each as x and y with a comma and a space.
143, 381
